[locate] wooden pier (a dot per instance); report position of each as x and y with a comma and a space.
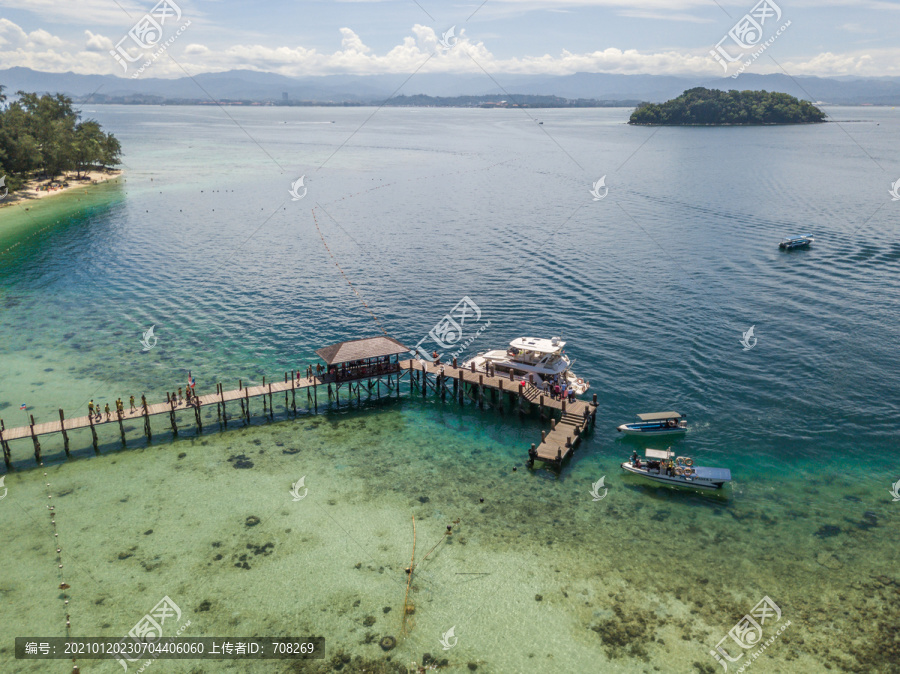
565, 433
568, 420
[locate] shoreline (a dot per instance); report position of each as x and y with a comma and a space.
31, 190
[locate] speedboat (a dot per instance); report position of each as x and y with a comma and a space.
526, 356
656, 423
796, 242
659, 467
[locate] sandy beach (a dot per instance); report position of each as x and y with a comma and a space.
38, 188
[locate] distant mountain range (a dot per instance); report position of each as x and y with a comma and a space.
249, 85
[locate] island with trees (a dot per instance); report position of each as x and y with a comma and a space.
713, 107
43, 138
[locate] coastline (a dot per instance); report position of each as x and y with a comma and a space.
32, 189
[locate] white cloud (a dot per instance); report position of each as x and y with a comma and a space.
12, 35
418, 51
97, 42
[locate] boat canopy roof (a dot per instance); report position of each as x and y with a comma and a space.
712, 473
802, 237
539, 345
659, 453
658, 416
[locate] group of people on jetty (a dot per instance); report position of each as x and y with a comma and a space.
556, 389
352, 370
184, 397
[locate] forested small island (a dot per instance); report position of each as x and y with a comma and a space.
713, 107
42, 137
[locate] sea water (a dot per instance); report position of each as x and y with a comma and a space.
405, 213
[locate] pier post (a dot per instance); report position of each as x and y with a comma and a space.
454, 362
541, 406
462, 386
532, 454
358, 393
543, 436
481, 390
424, 379
247, 398
37, 444
172, 419
62, 426
552, 425
7, 456
330, 394
595, 400
564, 406
472, 365
121, 427
316, 394
224, 411
146, 409
197, 414
264, 402
271, 406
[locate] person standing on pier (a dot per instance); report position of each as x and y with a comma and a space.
106, 409
91, 408
180, 397
133, 408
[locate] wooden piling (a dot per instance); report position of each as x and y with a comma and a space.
146, 408
62, 426
37, 443
247, 399
197, 414
271, 407
121, 427
172, 419
7, 455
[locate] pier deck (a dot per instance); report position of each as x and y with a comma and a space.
555, 446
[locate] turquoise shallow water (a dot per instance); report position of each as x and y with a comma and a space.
652, 287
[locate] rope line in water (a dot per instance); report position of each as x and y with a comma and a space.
346, 278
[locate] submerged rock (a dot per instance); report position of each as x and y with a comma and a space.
829, 561
828, 530
387, 643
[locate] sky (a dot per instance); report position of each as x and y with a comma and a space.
549, 37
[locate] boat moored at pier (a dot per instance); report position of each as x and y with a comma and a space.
545, 359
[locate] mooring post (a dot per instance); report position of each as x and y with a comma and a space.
541, 406
224, 411
543, 436
472, 365
247, 398
315, 389
532, 455
37, 444
7, 456
121, 427
271, 406
147, 430
197, 413
62, 427
481, 390
552, 425
172, 419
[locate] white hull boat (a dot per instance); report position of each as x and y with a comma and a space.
659, 467
656, 423
793, 242
527, 357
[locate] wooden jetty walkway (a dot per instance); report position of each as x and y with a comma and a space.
368, 361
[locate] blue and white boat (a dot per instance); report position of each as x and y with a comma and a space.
659, 466
656, 423
796, 242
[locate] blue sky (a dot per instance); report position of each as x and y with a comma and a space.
823, 37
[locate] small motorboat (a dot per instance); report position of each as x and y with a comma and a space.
656, 423
796, 242
659, 467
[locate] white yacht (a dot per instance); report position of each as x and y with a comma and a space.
543, 358
659, 467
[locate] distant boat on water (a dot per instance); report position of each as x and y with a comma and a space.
796, 242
